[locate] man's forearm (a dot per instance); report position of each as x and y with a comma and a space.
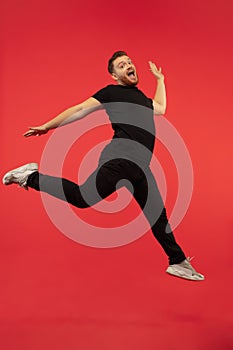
160, 94
63, 118
74, 113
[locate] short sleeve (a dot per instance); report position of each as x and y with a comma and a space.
102, 95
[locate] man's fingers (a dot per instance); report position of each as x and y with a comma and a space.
153, 67
27, 134
30, 132
151, 64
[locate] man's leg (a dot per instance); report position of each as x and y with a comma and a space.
147, 195
99, 185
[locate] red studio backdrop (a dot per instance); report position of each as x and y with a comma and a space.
57, 293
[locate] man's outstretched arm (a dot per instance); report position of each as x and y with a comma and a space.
68, 116
159, 100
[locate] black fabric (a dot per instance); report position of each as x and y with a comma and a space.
132, 118
104, 181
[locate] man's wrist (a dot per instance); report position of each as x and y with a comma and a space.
46, 127
161, 79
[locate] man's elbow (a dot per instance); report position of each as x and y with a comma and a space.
163, 111
160, 111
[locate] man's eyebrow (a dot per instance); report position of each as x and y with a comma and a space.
120, 63
128, 59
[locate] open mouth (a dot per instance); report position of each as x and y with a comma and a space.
131, 73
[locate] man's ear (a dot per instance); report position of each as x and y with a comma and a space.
114, 76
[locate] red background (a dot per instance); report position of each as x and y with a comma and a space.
56, 293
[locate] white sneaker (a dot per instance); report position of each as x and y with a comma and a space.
185, 270
20, 175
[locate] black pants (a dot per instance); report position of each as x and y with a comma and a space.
102, 182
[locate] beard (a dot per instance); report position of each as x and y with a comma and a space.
130, 80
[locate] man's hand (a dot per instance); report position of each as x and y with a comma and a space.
159, 100
155, 71
36, 131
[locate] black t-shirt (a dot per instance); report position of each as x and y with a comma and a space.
132, 118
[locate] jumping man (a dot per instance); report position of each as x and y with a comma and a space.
126, 157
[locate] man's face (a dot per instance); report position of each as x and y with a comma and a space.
124, 71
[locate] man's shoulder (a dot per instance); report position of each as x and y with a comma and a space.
103, 95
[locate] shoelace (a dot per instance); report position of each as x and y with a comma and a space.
190, 258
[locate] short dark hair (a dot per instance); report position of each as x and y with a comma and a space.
112, 59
